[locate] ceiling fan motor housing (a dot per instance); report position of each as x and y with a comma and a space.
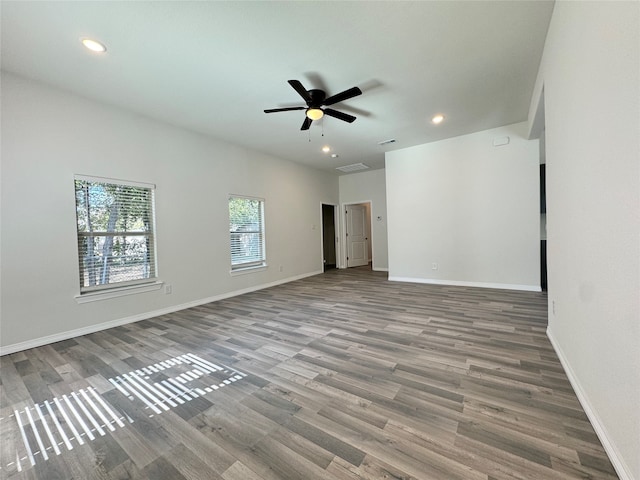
317, 98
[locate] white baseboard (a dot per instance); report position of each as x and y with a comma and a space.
58, 337
379, 269
457, 283
623, 471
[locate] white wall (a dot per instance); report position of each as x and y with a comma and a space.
468, 206
48, 136
590, 72
369, 187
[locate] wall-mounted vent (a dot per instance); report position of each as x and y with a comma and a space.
353, 168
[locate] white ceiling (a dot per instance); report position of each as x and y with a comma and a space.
213, 67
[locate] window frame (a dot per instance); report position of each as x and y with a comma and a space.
253, 265
126, 287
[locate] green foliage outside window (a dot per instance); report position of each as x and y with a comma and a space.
246, 229
115, 233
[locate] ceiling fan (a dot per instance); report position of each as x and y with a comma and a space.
315, 100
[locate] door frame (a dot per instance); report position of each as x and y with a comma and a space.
336, 224
343, 230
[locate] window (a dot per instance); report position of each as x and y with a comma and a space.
246, 227
116, 245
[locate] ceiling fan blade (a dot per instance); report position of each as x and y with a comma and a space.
345, 117
340, 97
297, 86
272, 110
306, 124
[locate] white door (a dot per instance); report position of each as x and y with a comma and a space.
357, 251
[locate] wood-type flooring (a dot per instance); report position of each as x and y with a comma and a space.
339, 376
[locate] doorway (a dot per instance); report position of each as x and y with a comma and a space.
538, 130
329, 257
543, 214
358, 234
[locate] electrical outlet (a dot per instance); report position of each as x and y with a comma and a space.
553, 307
167, 289
434, 266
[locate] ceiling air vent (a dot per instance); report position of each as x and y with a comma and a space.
353, 168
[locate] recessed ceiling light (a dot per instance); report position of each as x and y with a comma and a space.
93, 45
437, 118
326, 149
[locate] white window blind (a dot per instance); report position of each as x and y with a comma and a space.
246, 228
116, 241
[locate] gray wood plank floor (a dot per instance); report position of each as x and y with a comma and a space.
339, 376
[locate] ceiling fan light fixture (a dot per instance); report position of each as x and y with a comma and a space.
315, 113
